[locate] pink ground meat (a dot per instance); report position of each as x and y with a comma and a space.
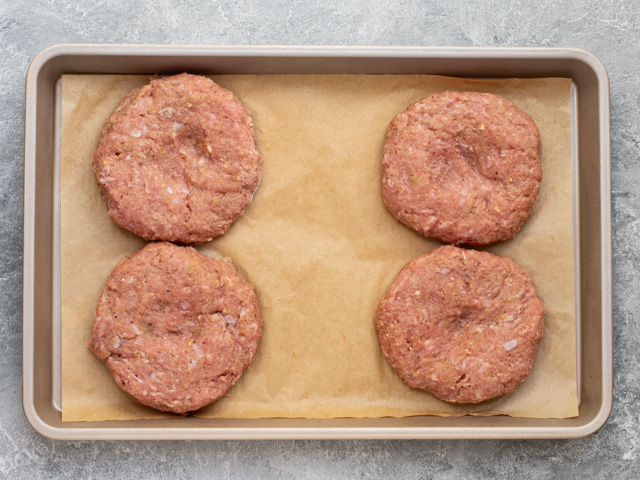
177, 161
176, 328
463, 325
463, 167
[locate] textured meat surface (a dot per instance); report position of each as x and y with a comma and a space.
463, 167
463, 325
176, 328
177, 161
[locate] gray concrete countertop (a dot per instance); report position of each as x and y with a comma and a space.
607, 28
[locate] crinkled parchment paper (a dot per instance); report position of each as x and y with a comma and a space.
320, 248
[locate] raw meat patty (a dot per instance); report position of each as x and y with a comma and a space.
463, 167
461, 324
176, 328
177, 161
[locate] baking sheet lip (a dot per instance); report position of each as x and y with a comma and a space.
315, 433
33, 74
606, 261
28, 256
606, 240
316, 51
606, 314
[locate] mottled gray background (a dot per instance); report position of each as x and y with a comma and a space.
609, 29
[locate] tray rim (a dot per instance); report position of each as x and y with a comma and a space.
314, 52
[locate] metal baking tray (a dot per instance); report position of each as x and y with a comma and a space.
592, 213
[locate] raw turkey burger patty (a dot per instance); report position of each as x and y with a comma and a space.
176, 160
176, 328
463, 167
463, 325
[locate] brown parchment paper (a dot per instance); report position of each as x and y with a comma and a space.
320, 248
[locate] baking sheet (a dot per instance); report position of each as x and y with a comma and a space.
320, 248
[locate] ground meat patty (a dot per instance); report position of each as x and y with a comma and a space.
463, 167
177, 161
176, 328
461, 324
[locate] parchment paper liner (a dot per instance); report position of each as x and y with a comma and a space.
320, 247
